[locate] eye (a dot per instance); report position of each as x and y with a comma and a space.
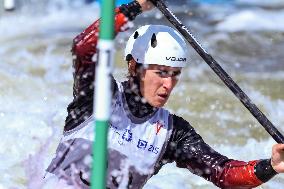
176, 73
162, 73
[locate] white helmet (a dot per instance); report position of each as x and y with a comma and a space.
157, 44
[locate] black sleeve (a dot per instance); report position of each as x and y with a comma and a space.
188, 150
131, 10
264, 170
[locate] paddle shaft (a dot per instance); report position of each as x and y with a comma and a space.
261, 118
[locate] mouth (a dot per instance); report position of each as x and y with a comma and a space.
163, 96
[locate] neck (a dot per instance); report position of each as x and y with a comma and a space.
137, 104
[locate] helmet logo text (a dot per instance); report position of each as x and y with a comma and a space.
172, 58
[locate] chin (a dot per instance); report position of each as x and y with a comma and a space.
158, 104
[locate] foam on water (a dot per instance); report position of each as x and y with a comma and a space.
274, 109
253, 20
32, 104
29, 114
58, 20
266, 3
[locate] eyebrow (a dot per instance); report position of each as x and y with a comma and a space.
173, 73
165, 70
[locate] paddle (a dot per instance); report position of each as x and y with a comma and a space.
261, 118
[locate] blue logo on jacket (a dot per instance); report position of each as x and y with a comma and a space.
142, 144
127, 135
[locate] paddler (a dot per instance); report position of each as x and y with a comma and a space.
143, 136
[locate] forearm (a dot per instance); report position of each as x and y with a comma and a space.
85, 44
238, 174
84, 48
245, 175
264, 170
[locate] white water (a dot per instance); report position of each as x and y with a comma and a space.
266, 3
36, 87
253, 20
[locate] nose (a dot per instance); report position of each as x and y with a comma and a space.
168, 83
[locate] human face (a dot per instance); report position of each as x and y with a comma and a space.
157, 83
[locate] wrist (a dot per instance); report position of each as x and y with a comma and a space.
264, 170
131, 10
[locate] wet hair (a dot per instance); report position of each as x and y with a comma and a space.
129, 57
137, 66
135, 79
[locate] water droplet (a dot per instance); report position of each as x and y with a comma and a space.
95, 58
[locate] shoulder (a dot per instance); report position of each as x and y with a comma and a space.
183, 131
180, 124
81, 108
